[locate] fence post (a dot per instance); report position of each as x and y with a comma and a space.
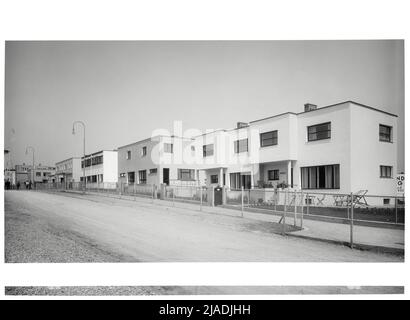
307, 203
152, 193
284, 214
351, 220
242, 201
302, 197
294, 219
173, 197
200, 194
395, 208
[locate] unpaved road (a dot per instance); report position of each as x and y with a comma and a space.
43, 227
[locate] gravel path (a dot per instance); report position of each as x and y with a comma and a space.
43, 227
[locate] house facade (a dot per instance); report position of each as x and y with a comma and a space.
41, 174
100, 167
68, 170
341, 148
159, 160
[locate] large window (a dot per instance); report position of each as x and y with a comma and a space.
385, 133
241, 145
239, 180
168, 147
208, 150
269, 138
273, 174
186, 174
321, 177
319, 131
385, 171
142, 175
97, 160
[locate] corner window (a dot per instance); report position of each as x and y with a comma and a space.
208, 150
241, 145
385, 133
168, 148
319, 131
385, 171
269, 138
273, 174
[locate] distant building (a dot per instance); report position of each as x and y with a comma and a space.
68, 170
100, 167
41, 173
22, 173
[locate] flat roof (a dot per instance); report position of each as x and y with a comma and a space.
68, 159
329, 106
149, 139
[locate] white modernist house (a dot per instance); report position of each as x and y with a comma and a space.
160, 160
341, 148
100, 167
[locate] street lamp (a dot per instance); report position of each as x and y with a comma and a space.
32, 169
82, 123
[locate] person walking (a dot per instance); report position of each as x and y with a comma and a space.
18, 185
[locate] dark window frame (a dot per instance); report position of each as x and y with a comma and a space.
144, 151
275, 176
236, 145
142, 176
213, 180
386, 175
381, 134
274, 138
321, 131
182, 172
171, 146
206, 152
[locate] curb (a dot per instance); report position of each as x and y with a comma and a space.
358, 246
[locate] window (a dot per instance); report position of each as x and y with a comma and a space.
385, 133
321, 177
128, 156
153, 171
241, 145
385, 171
144, 151
94, 178
214, 178
142, 175
186, 174
45, 174
168, 147
38, 174
208, 150
319, 132
386, 201
273, 174
239, 180
269, 138
131, 177
97, 160
87, 163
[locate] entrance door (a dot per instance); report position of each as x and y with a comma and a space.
165, 176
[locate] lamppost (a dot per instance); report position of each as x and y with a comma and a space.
32, 169
82, 123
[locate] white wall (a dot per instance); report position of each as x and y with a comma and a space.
368, 153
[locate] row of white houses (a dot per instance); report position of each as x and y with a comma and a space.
345, 147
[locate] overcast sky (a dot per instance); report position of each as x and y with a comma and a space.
125, 90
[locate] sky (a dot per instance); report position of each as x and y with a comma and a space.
123, 91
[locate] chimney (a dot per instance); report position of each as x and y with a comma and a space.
241, 125
310, 107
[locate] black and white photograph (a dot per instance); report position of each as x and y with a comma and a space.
135, 152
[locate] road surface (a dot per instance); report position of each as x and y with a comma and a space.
62, 227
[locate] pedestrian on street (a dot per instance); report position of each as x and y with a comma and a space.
18, 185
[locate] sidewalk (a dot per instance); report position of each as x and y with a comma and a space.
364, 237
